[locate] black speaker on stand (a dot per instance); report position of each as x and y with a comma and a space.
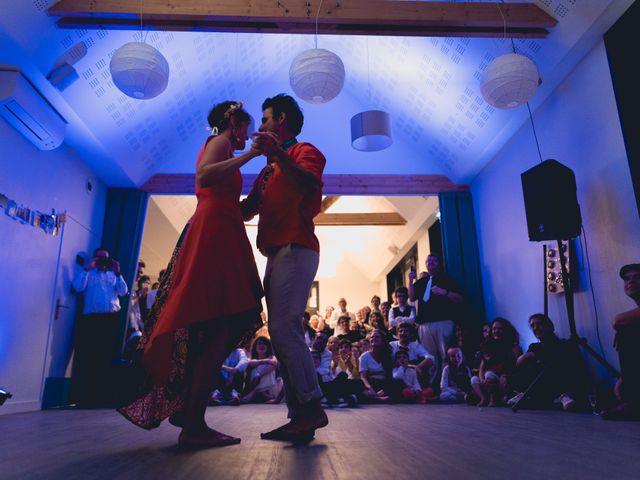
553, 213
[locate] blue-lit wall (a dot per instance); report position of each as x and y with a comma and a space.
32, 344
577, 125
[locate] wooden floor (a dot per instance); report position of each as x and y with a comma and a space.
369, 442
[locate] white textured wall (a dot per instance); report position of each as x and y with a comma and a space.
28, 262
578, 125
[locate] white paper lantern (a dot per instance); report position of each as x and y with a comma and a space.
509, 81
316, 75
371, 131
139, 70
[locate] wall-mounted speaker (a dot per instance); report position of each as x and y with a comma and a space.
550, 202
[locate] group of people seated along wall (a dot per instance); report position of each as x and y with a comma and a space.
371, 358
382, 353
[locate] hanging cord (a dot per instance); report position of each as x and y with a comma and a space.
504, 28
593, 295
143, 37
535, 135
317, 15
368, 72
513, 46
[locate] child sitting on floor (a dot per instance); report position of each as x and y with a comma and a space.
455, 383
412, 391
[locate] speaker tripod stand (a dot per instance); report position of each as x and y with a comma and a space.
573, 335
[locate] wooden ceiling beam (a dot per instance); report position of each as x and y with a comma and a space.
328, 201
334, 184
359, 219
353, 17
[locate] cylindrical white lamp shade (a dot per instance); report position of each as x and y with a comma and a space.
139, 70
316, 75
509, 81
371, 131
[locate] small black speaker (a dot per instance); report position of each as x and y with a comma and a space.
550, 202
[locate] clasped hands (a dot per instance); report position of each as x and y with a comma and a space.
265, 143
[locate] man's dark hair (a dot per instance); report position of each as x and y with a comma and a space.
142, 264
632, 267
142, 279
402, 290
285, 103
408, 325
544, 318
100, 249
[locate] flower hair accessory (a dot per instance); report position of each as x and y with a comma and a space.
232, 108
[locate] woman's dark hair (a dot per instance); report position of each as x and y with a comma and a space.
254, 345
386, 361
285, 103
344, 341
511, 335
217, 118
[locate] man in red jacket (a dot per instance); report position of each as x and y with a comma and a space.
287, 195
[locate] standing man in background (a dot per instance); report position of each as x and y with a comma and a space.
97, 329
287, 195
438, 308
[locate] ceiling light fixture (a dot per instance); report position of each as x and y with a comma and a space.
510, 80
317, 75
139, 70
371, 129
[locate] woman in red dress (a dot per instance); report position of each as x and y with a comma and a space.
210, 296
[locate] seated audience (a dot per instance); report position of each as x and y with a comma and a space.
403, 312
343, 330
320, 345
375, 303
359, 329
627, 340
376, 321
262, 385
309, 332
556, 367
385, 308
365, 345
455, 382
340, 312
230, 378
499, 354
464, 341
325, 322
376, 368
422, 360
336, 389
408, 374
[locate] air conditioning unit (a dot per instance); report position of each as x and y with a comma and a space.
24, 107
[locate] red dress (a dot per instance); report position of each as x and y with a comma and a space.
215, 276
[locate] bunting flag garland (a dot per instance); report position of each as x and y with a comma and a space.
50, 223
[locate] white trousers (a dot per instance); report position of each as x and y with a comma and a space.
288, 278
437, 337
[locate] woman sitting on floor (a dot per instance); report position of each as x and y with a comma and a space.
262, 385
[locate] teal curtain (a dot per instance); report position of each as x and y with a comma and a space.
460, 252
124, 218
